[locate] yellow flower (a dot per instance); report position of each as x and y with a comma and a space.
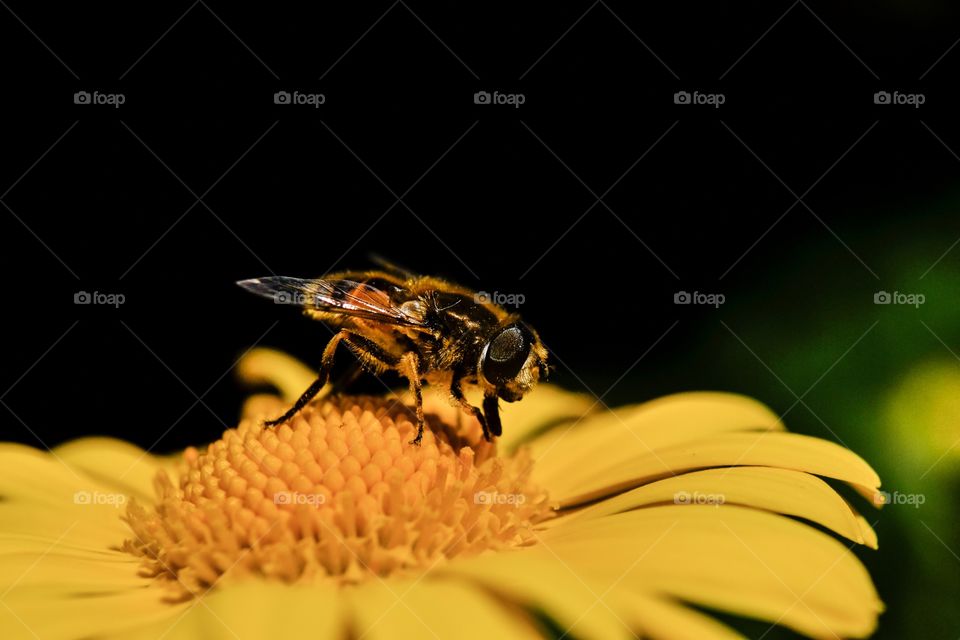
587, 523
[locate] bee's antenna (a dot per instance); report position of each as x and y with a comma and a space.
449, 306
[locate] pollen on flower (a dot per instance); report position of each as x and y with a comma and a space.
338, 494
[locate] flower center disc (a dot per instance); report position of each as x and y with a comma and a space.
336, 494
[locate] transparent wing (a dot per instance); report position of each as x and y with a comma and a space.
335, 296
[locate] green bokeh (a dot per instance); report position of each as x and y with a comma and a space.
883, 379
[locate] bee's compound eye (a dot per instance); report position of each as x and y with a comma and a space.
506, 354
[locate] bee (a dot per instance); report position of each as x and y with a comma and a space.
424, 328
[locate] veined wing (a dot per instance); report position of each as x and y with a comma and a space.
334, 296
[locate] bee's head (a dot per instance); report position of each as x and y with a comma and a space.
513, 361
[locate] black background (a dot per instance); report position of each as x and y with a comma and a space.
597, 199
106, 199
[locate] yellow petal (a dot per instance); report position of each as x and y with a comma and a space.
431, 608
269, 366
731, 558
867, 532
539, 580
547, 407
657, 617
31, 543
115, 463
609, 438
62, 574
780, 490
51, 613
253, 609
773, 449
43, 497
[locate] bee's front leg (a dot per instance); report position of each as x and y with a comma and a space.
491, 409
456, 390
410, 368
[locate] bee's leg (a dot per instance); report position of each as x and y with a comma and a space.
371, 355
326, 362
491, 409
374, 356
457, 392
340, 384
410, 367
